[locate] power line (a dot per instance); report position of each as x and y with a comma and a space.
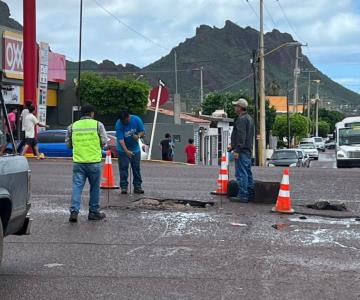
256, 14
214, 59
288, 21
271, 17
129, 27
236, 82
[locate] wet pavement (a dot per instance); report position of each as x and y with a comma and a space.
221, 252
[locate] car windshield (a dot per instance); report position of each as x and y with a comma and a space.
349, 136
318, 140
307, 146
284, 155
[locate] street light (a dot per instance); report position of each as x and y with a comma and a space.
139, 77
80, 44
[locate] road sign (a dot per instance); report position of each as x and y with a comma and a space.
164, 96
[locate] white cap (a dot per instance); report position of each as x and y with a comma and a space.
241, 102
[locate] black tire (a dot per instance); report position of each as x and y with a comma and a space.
1, 241
316, 158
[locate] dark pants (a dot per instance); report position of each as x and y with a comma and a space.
244, 176
124, 162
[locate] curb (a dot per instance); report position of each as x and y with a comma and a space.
115, 159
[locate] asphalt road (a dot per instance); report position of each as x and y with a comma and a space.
230, 252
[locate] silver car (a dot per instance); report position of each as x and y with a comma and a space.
305, 159
310, 149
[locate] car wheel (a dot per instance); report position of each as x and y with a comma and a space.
316, 158
1, 240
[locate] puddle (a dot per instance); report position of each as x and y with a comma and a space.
171, 204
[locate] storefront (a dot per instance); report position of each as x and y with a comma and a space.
51, 70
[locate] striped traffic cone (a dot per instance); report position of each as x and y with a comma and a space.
108, 175
223, 178
283, 203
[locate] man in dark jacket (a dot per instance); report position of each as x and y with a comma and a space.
242, 139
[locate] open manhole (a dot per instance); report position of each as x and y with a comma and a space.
174, 204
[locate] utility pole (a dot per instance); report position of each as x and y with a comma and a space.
201, 88
296, 76
287, 115
256, 110
317, 108
80, 46
308, 99
262, 146
176, 79
177, 101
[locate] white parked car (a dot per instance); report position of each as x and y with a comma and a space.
310, 149
319, 143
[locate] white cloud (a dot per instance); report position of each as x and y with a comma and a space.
332, 28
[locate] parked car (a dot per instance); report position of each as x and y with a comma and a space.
144, 148
285, 158
14, 191
319, 143
330, 144
305, 159
310, 149
52, 144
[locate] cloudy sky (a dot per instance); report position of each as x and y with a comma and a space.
142, 31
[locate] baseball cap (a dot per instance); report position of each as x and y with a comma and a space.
241, 102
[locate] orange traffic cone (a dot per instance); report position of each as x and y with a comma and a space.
108, 175
223, 178
283, 203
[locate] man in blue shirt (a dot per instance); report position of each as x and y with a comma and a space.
129, 129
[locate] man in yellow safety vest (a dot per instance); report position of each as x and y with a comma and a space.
86, 137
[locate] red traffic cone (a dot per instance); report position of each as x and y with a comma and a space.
283, 203
108, 175
223, 178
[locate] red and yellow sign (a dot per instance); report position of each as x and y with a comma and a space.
13, 62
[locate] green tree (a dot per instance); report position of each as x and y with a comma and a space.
331, 117
224, 101
324, 128
110, 94
299, 126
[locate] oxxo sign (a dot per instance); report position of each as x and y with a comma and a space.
13, 55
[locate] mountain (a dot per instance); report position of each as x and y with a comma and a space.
5, 19
225, 55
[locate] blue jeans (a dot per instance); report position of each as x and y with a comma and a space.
244, 176
124, 162
93, 173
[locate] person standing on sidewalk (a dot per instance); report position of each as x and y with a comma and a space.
167, 151
10, 131
23, 115
190, 151
242, 139
86, 137
129, 129
30, 124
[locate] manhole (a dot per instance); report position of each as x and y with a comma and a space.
171, 204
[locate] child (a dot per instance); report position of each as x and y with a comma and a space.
190, 151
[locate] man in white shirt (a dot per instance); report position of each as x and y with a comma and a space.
30, 122
23, 115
